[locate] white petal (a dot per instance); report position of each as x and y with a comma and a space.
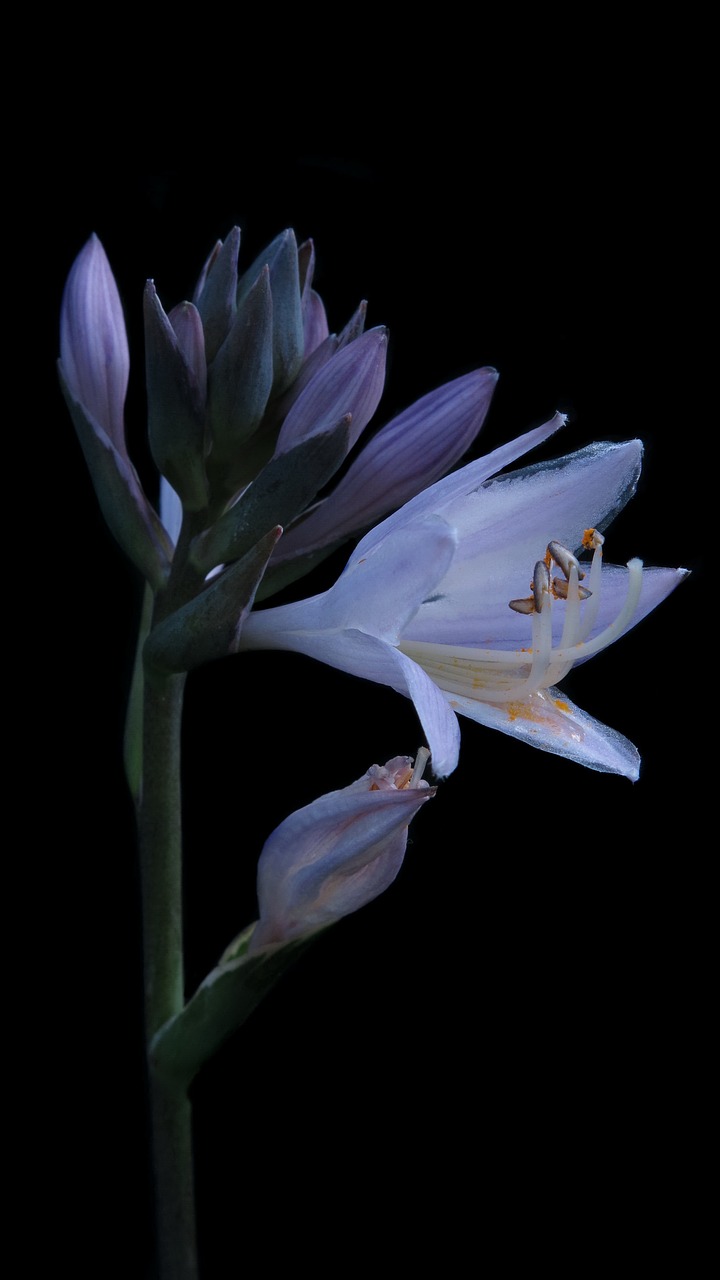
504, 528
448, 496
550, 721
378, 592
372, 659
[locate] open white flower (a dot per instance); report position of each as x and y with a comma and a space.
422, 605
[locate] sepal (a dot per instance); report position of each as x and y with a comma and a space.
281, 258
282, 489
209, 626
176, 402
239, 384
216, 290
130, 517
221, 1004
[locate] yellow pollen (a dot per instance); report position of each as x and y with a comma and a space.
526, 711
587, 539
561, 706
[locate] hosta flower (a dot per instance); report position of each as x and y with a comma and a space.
470, 599
339, 852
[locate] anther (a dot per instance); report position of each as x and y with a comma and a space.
592, 539
523, 606
540, 585
422, 758
560, 589
564, 559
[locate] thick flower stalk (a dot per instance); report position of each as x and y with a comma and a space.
434, 601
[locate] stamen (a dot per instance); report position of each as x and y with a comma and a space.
423, 756
564, 559
616, 628
505, 675
574, 594
542, 641
541, 585
561, 589
592, 538
527, 605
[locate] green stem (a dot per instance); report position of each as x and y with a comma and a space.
160, 829
152, 762
132, 743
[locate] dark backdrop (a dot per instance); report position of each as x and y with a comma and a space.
500, 1037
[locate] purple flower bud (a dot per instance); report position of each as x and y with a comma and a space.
93, 342
338, 853
351, 382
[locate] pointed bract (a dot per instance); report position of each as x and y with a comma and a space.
216, 291
240, 383
176, 400
281, 258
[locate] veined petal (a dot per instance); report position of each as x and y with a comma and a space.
351, 382
549, 720
365, 655
448, 497
378, 592
315, 325
459, 621
93, 342
504, 528
409, 453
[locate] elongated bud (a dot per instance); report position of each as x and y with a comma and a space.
352, 381
176, 400
215, 293
240, 382
93, 342
281, 258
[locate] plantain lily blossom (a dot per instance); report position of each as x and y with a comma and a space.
338, 853
471, 599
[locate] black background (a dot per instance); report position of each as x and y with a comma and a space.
503, 1047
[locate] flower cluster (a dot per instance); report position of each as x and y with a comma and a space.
253, 406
